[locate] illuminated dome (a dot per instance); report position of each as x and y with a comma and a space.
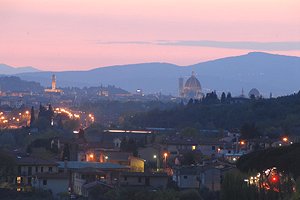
254, 92
192, 88
192, 83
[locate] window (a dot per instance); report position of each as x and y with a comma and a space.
125, 178
42, 169
45, 182
29, 180
213, 148
140, 179
19, 180
50, 169
185, 177
193, 147
36, 169
29, 171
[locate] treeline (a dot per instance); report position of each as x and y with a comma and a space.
263, 115
285, 159
15, 84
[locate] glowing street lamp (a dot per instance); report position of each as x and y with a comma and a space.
91, 157
165, 160
157, 161
285, 139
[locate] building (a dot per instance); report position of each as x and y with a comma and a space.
28, 168
53, 87
84, 173
254, 93
191, 89
144, 179
57, 183
205, 176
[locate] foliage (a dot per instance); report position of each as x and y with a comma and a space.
235, 188
34, 195
285, 158
7, 165
276, 114
138, 194
129, 146
189, 195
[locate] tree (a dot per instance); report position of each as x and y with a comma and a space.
235, 188
223, 97
7, 165
32, 116
66, 152
189, 195
249, 131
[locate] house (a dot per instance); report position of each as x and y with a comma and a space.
205, 176
56, 183
99, 185
28, 167
210, 148
83, 173
176, 145
187, 177
144, 179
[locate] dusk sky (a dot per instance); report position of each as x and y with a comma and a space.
67, 34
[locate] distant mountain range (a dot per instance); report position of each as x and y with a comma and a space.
8, 70
267, 72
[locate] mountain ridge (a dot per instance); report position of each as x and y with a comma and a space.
260, 70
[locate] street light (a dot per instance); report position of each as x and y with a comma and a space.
165, 160
157, 162
91, 157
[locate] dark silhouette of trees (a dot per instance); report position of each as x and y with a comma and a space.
32, 116
7, 165
285, 158
270, 116
129, 146
249, 131
223, 98
66, 152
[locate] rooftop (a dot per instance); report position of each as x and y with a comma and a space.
96, 165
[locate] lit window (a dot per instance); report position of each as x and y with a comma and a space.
193, 147
19, 179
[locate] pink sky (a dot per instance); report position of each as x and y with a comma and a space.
68, 34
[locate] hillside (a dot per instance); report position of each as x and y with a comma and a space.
8, 70
276, 115
15, 84
267, 72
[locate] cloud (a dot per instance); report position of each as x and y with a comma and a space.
263, 46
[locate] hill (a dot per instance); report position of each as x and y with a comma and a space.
8, 70
15, 84
253, 116
267, 72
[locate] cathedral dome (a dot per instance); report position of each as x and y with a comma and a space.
254, 92
192, 83
192, 88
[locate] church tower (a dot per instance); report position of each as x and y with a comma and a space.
53, 82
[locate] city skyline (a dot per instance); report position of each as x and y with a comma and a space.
70, 35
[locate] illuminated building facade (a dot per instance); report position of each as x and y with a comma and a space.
191, 89
53, 86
